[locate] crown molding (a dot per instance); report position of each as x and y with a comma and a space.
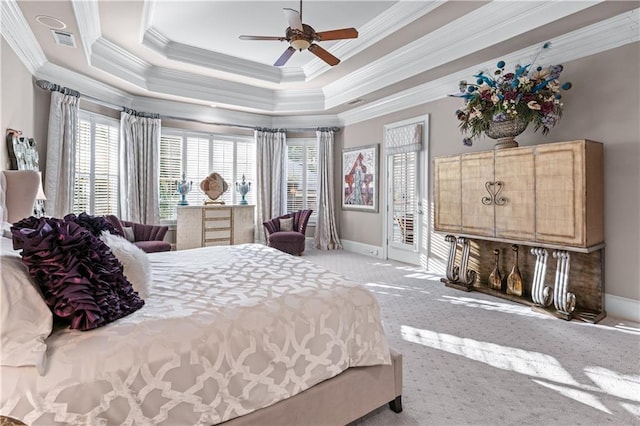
213, 60
179, 83
599, 37
18, 34
306, 121
394, 18
111, 58
88, 20
298, 100
200, 113
85, 85
488, 25
162, 45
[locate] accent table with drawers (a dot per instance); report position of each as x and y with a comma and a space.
214, 225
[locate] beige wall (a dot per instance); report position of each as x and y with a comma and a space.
17, 105
603, 105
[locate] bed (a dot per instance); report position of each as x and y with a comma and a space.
237, 335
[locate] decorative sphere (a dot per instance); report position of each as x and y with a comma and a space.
566, 86
501, 64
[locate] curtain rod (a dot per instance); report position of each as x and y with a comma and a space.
47, 85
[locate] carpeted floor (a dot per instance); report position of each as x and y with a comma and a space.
473, 359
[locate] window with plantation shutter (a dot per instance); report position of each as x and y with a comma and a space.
96, 165
196, 166
223, 161
245, 166
170, 172
302, 175
197, 155
403, 175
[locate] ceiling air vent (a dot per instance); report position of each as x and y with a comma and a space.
63, 38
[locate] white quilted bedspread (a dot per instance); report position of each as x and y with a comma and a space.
224, 332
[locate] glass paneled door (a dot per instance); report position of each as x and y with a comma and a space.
404, 210
406, 227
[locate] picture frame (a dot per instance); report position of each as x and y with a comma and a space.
360, 185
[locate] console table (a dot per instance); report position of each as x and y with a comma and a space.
545, 198
214, 225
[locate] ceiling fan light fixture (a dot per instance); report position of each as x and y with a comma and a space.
300, 44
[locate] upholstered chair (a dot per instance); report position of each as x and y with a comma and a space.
18, 193
287, 233
148, 237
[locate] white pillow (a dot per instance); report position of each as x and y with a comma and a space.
25, 318
137, 268
6, 230
286, 224
128, 233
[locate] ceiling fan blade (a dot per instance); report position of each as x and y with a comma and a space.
323, 54
293, 18
284, 57
337, 34
251, 37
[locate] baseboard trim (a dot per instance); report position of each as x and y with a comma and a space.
361, 248
622, 307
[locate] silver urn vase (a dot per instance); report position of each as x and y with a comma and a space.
504, 132
183, 187
243, 188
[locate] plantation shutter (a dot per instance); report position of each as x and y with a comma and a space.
222, 163
82, 178
245, 165
197, 167
295, 178
105, 185
402, 145
403, 172
95, 187
170, 172
312, 180
302, 177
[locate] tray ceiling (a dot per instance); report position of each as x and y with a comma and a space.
142, 53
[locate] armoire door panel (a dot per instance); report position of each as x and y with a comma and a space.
447, 194
515, 204
476, 172
560, 193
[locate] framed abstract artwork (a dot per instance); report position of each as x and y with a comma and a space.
360, 178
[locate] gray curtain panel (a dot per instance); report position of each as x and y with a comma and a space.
139, 168
326, 235
61, 153
271, 185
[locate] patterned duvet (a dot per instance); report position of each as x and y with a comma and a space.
224, 332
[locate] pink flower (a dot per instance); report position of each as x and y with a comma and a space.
533, 105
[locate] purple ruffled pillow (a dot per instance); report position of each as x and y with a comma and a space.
81, 280
95, 224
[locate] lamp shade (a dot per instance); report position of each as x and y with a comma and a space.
40, 195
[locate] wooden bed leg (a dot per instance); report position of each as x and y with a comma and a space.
396, 404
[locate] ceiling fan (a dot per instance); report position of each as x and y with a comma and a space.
303, 37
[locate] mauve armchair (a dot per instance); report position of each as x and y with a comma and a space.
148, 237
288, 241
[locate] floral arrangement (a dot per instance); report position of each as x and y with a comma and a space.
531, 95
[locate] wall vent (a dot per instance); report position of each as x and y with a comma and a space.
63, 38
